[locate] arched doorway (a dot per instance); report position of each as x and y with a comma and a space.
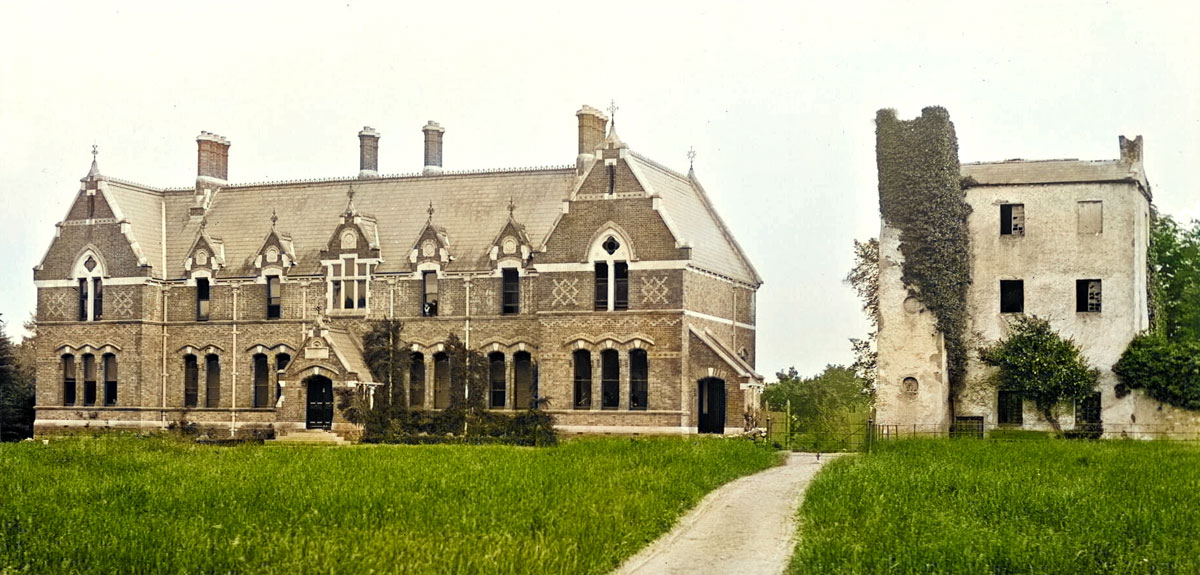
319, 413
710, 405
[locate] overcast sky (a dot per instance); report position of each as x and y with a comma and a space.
777, 99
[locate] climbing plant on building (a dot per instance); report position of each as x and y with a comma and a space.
1042, 366
920, 194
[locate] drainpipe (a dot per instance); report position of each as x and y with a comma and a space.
233, 394
166, 289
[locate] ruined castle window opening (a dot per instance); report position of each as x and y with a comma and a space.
68, 379
1010, 408
212, 381
203, 297
274, 299
191, 381
510, 298
109, 367
496, 380
582, 361
1012, 219
262, 380
524, 381
416, 380
1088, 410
1012, 296
610, 379
89, 379
429, 293
1091, 217
349, 288
441, 380
1087, 296
910, 385
639, 379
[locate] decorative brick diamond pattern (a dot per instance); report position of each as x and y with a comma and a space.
654, 290
56, 305
565, 292
122, 303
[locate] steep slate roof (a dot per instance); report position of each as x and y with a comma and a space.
1021, 172
349, 353
472, 207
692, 217
142, 207
739, 365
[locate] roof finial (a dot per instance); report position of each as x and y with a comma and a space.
511, 206
274, 218
95, 151
350, 201
612, 111
691, 154
430, 211
203, 222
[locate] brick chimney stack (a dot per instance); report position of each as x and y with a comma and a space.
433, 148
591, 135
212, 157
368, 153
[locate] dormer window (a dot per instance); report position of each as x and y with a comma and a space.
349, 287
429, 293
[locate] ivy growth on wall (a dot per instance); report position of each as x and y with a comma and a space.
920, 194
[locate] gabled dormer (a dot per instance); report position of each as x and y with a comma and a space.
349, 258
206, 256
511, 247
432, 247
276, 255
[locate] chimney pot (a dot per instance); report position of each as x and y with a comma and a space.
212, 157
368, 153
591, 135
433, 148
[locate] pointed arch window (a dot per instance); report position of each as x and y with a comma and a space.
582, 359
525, 380
639, 379
68, 374
496, 380
110, 379
416, 380
261, 381
89, 274
191, 381
441, 380
611, 268
610, 379
89, 379
212, 381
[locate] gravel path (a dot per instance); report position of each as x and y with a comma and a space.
747, 526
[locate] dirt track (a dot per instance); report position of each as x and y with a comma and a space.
747, 526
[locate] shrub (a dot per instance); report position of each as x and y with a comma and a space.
1040, 364
1167, 370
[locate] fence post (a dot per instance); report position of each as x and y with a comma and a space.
870, 433
788, 412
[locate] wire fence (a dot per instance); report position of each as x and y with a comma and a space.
861, 434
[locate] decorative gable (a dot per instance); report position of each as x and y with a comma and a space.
356, 234
206, 254
276, 254
432, 245
512, 243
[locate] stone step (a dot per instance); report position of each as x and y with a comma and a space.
310, 436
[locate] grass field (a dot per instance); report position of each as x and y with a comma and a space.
160, 506
965, 506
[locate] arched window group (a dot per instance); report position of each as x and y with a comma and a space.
212, 380
511, 380
610, 379
262, 378
99, 380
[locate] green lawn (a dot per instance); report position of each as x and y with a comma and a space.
113, 505
966, 506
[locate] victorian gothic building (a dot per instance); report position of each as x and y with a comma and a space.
610, 288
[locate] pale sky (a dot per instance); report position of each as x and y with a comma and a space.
778, 100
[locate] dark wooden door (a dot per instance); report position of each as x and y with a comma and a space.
320, 403
711, 405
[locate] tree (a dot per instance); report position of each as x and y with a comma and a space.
864, 278
1174, 260
16, 388
1169, 370
388, 357
821, 402
1045, 368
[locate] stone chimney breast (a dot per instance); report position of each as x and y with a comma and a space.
591, 135
1131, 150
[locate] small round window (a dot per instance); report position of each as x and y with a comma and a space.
611, 245
349, 240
